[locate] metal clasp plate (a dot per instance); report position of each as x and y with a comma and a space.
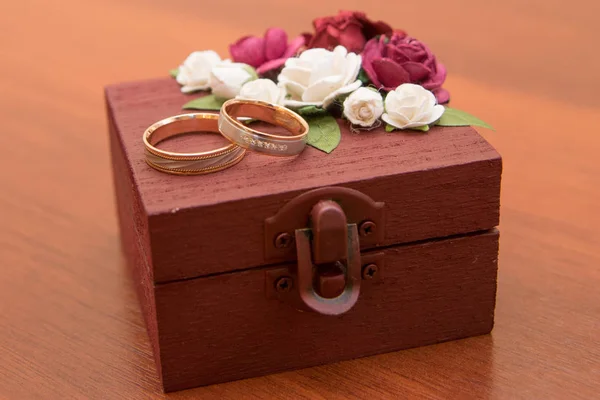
329, 270
359, 208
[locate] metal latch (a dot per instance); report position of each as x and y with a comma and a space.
329, 265
327, 276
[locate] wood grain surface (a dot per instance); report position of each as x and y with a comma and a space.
436, 185
200, 252
223, 327
70, 325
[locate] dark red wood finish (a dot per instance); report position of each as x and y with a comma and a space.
443, 183
223, 327
197, 246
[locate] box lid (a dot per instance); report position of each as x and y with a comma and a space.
442, 183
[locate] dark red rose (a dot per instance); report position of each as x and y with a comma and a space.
392, 61
350, 29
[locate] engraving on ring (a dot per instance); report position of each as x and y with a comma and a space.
263, 144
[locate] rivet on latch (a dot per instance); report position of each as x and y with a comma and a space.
284, 284
283, 240
369, 271
367, 228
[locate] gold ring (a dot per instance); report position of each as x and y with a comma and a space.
262, 142
188, 163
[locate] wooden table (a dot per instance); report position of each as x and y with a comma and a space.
70, 326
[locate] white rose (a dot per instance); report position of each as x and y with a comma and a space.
194, 73
318, 76
262, 89
227, 78
363, 107
411, 106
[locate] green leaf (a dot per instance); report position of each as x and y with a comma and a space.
208, 102
323, 133
454, 117
423, 128
363, 77
390, 128
251, 71
309, 111
174, 72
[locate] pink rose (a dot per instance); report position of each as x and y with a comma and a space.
390, 62
266, 53
350, 29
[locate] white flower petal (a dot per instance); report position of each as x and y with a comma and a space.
226, 79
231, 75
401, 118
409, 89
314, 55
353, 63
438, 111
294, 89
262, 89
190, 89
298, 104
282, 95
414, 125
363, 107
343, 90
194, 72
320, 89
392, 100
297, 74
340, 51
398, 124
411, 106
339, 61
318, 76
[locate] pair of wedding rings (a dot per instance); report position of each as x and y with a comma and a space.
226, 123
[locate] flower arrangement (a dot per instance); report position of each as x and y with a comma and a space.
351, 66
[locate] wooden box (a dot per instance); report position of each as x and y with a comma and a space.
209, 252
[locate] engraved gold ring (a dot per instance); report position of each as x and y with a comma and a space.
262, 142
188, 163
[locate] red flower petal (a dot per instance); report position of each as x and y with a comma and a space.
351, 29
418, 72
371, 29
390, 74
321, 22
442, 95
271, 65
248, 50
307, 38
275, 43
322, 39
294, 46
352, 39
414, 53
440, 74
369, 55
395, 54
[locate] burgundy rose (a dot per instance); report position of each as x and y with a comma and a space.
266, 53
390, 62
351, 29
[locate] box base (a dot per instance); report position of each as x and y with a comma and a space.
222, 328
